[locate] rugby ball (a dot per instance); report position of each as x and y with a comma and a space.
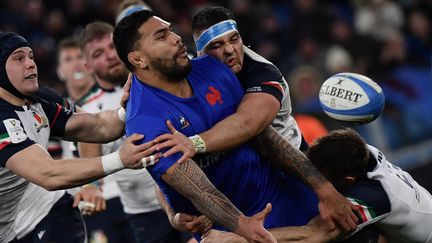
351, 97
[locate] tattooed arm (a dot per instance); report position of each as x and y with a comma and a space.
334, 208
190, 181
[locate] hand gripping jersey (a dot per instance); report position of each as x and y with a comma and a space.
23, 203
390, 199
239, 173
135, 187
260, 75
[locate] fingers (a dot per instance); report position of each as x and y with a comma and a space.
172, 151
167, 144
77, 199
126, 91
183, 159
171, 127
356, 213
148, 148
88, 208
206, 223
150, 160
162, 138
194, 223
134, 138
128, 83
350, 225
264, 213
100, 204
349, 219
199, 224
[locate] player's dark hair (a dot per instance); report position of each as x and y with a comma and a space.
67, 43
342, 153
210, 16
126, 34
94, 31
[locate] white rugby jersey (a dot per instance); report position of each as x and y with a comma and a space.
393, 201
23, 204
135, 187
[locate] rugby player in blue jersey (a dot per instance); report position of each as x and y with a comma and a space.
193, 98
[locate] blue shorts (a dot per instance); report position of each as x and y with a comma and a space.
62, 224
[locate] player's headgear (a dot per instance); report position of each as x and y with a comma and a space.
9, 42
215, 31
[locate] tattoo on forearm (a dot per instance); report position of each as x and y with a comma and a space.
280, 153
189, 180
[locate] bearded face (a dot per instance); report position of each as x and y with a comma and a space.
173, 69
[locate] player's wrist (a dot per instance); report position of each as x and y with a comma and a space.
112, 163
324, 189
199, 144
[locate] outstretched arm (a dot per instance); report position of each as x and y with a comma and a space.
333, 206
36, 165
100, 127
255, 112
190, 181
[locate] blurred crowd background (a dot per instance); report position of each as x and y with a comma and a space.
309, 40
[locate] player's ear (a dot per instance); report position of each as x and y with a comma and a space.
137, 60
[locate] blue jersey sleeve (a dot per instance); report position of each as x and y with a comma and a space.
151, 127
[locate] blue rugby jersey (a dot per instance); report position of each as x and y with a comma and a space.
239, 173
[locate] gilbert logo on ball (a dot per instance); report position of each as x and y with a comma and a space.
351, 97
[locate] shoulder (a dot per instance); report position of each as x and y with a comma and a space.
141, 95
257, 66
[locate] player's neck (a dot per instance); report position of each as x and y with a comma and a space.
10, 98
179, 88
